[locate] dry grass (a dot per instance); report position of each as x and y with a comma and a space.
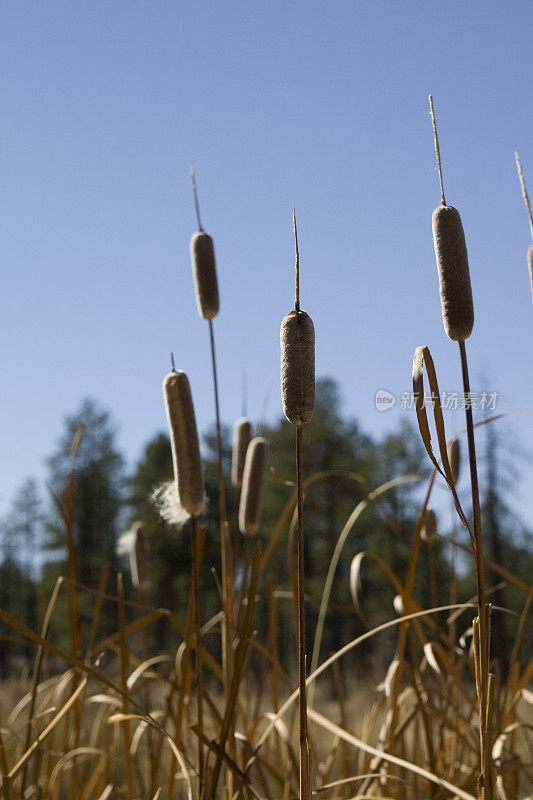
416, 734
108, 718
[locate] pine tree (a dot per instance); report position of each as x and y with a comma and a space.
98, 487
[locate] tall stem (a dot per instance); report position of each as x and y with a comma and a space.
484, 626
221, 486
305, 778
225, 556
198, 648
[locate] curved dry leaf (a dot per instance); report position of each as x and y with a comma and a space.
352, 519
106, 699
355, 579
138, 671
96, 751
431, 658
423, 357
353, 740
168, 739
527, 696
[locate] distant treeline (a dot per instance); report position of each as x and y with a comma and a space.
107, 501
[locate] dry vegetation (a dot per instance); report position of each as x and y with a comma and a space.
222, 718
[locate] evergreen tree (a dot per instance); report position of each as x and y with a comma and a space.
98, 485
18, 591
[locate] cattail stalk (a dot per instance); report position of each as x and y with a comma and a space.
454, 457
207, 299
298, 395
197, 629
428, 534
124, 681
530, 217
458, 317
189, 479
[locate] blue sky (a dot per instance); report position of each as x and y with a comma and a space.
318, 105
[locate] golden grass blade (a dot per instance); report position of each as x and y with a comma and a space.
13, 772
354, 516
238, 668
138, 671
291, 504
340, 653
177, 753
36, 673
107, 792
348, 737
66, 757
124, 680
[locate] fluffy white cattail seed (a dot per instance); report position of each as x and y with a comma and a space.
184, 441
138, 558
454, 457
454, 275
297, 336
252, 486
241, 440
205, 274
429, 528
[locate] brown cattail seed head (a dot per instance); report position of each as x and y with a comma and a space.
297, 336
454, 275
138, 558
184, 441
530, 267
429, 528
454, 457
252, 486
241, 440
205, 274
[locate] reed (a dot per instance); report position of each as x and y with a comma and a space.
458, 318
188, 474
207, 300
252, 486
241, 439
297, 337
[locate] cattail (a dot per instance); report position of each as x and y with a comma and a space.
454, 457
138, 558
454, 275
252, 486
429, 528
205, 274
184, 441
297, 336
241, 440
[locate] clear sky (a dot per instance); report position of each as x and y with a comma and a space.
318, 104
